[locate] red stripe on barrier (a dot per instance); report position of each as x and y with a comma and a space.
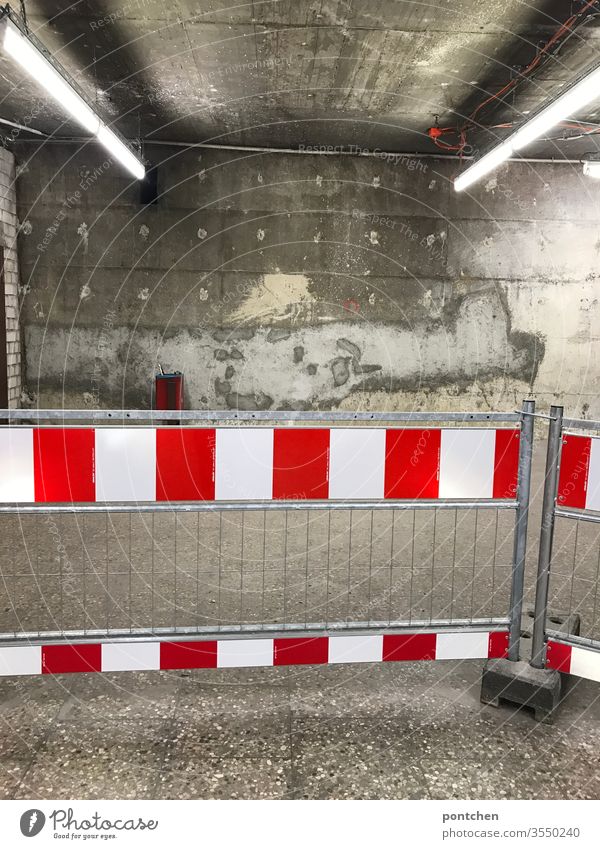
506, 464
498, 644
300, 650
574, 469
412, 462
189, 655
85, 657
409, 646
185, 464
63, 463
301, 463
558, 656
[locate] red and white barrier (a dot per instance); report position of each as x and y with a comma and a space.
574, 660
579, 479
135, 464
285, 651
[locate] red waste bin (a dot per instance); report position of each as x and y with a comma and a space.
169, 391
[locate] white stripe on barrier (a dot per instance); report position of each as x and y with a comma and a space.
592, 500
126, 657
356, 462
467, 463
244, 464
16, 464
363, 649
21, 660
125, 464
461, 646
239, 653
585, 663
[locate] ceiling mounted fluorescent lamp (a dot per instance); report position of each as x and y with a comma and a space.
32, 60
591, 168
577, 96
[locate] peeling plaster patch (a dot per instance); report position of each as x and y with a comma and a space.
340, 370
277, 334
203, 294
317, 236
202, 234
376, 182
350, 348
259, 178
83, 231
372, 298
374, 237
85, 292
491, 184
144, 294
253, 401
21, 169
39, 312
26, 228
278, 296
202, 175
433, 184
430, 239
144, 232
260, 235
319, 180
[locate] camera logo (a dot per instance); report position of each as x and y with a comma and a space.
32, 822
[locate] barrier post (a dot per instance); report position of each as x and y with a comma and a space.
522, 519
546, 535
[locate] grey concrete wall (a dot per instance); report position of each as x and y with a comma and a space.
287, 281
8, 237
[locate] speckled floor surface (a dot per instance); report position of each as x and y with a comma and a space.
382, 731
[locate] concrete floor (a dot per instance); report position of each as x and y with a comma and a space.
381, 731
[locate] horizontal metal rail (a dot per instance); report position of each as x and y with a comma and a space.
583, 516
581, 424
573, 640
311, 629
254, 415
218, 506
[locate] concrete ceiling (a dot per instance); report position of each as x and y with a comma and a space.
284, 73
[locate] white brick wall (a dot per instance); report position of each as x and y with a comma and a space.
8, 239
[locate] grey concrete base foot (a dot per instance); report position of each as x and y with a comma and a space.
518, 683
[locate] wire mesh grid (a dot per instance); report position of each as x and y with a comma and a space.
204, 571
575, 574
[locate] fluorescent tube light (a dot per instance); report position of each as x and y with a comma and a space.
33, 61
36, 65
591, 168
564, 106
120, 151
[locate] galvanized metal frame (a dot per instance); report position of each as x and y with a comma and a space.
252, 415
130, 417
550, 512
